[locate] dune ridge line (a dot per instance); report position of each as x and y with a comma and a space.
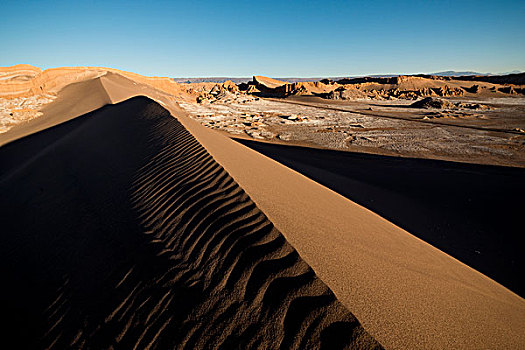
405, 292
173, 254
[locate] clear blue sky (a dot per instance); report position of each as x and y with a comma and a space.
273, 38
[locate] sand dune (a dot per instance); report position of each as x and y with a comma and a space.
269, 83
456, 207
112, 193
22, 84
82, 97
54, 79
169, 251
408, 293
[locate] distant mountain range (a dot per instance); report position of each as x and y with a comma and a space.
448, 73
212, 80
452, 73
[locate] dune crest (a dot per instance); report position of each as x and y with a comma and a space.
170, 252
53, 80
406, 293
269, 83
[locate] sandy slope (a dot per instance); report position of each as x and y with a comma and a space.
146, 242
82, 97
406, 293
470, 211
268, 82
25, 90
26, 80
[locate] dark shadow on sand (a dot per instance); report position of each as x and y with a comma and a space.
472, 212
120, 231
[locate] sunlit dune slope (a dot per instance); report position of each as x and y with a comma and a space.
405, 293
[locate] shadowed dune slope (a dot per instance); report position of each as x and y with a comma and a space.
120, 230
268, 82
406, 293
79, 98
74, 100
470, 211
26, 80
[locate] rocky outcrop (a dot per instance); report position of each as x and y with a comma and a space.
342, 93
474, 106
474, 89
447, 91
378, 80
432, 102
268, 87
381, 88
508, 90
252, 89
225, 92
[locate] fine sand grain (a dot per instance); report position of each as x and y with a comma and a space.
121, 230
408, 294
470, 211
91, 182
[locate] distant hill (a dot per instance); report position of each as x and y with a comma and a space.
221, 80
516, 78
448, 73
218, 80
453, 73
512, 72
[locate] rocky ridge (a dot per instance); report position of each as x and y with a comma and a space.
377, 88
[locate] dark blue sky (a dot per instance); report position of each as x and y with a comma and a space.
274, 38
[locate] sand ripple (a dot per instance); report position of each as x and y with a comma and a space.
139, 239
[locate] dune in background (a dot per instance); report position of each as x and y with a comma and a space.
404, 292
81, 96
25, 91
25, 80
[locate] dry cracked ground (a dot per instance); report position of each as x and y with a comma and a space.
489, 131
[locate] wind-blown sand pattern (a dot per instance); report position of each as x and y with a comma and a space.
161, 250
76, 219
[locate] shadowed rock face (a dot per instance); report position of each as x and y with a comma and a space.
516, 79
430, 102
120, 230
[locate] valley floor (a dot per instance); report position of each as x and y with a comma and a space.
489, 136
